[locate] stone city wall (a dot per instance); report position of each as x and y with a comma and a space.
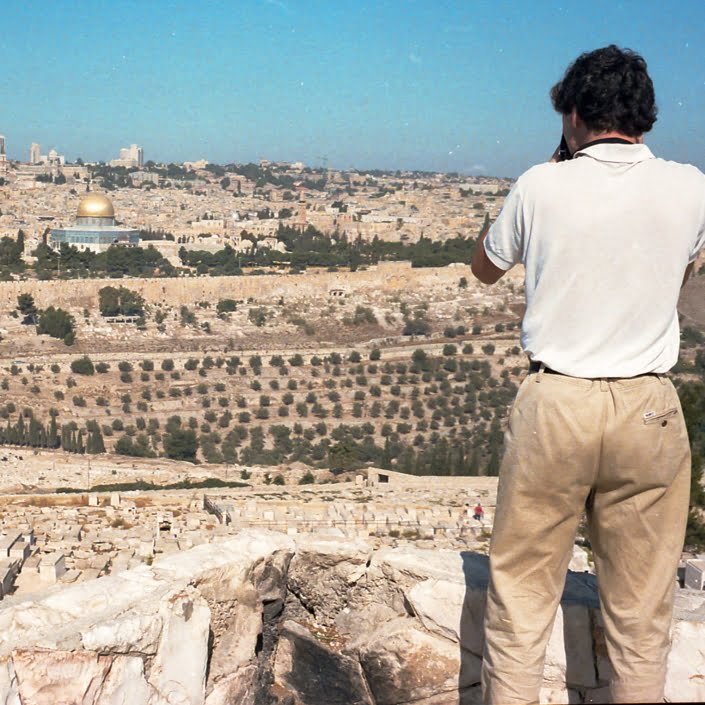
177, 291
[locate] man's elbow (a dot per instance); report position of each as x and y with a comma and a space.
484, 270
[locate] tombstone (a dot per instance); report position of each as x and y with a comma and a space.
145, 549
694, 575
359, 480
20, 551
114, 499
51, 567
8, 573
93, 500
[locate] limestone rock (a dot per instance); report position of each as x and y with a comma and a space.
396, 626
559, 695
354, 623
269, 577
322, 573
125, 683
238, 687
178, 671
685, 680
313, 674
9, 688
569, 656
579, 562
452, 610
236, 627
129, 633
403, 664
60, 677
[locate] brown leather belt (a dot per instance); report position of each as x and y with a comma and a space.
535, 366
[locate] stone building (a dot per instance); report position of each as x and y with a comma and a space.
95, 227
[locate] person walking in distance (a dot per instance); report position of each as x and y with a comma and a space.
607, 233
479, 512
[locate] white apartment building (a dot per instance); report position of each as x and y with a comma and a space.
129, 157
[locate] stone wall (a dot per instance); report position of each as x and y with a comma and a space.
382, 479
177, 291
261, 618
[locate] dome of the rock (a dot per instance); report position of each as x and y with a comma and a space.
95, 205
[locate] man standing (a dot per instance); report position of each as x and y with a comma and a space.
479, 512
607, 236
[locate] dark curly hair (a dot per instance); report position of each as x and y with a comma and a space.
610, 90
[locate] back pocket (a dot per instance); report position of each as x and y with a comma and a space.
659, 416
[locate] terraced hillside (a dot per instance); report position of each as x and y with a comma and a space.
436, 408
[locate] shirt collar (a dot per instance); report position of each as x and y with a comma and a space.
624, 153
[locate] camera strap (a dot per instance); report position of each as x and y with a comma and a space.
604, 140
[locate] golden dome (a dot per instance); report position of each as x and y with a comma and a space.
95, 205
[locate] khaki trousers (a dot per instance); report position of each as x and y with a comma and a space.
619, 450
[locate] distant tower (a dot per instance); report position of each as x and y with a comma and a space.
137, 155
3, 158
2, 145
34, 153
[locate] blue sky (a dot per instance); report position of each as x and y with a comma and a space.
397, 84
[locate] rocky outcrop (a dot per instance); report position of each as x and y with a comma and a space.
263, 620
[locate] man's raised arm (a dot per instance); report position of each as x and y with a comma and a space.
481, 266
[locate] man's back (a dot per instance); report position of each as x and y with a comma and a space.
605, 239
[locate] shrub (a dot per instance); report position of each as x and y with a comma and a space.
82, 366
416, 326
58, 324
257, 316
167, 364
119, 301
226, 306
180, 444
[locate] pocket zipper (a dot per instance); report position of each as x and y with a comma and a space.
654, 417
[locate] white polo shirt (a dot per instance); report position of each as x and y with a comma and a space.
605, 239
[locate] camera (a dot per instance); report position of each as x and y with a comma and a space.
563, 151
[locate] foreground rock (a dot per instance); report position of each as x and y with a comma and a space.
264, 620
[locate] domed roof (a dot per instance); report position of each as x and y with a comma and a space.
96, 205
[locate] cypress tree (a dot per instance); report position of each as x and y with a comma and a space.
53, 440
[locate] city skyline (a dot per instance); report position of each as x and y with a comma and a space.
395, 85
